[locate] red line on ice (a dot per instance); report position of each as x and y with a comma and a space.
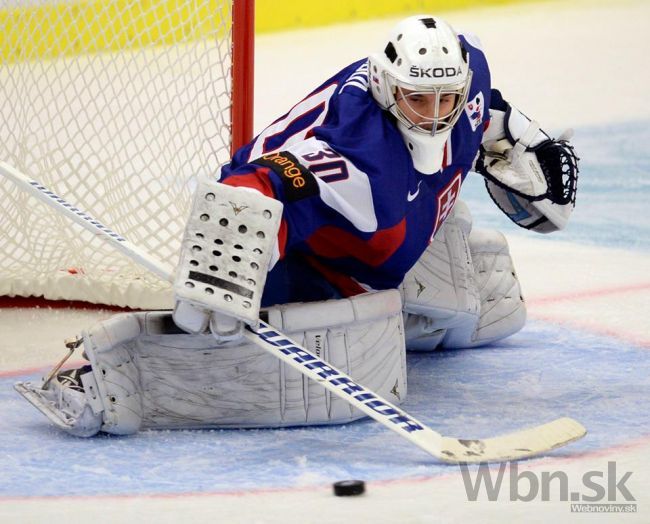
41, 369
621, 335
592, 293
540, 462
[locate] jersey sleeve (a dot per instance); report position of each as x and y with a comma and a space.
318, 187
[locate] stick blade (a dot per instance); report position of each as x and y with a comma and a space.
513, 446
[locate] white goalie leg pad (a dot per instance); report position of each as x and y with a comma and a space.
191, 382
226, 252
439, 292
147, 373
113, 389
503, 310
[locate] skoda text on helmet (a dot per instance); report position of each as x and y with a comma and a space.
422, 77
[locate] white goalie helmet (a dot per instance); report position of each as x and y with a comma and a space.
422, 77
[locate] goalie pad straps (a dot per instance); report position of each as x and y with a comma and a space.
225, 256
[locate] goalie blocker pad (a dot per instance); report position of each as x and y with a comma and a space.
147, 373
225, 255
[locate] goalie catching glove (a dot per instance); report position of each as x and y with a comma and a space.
530, 176
227, 249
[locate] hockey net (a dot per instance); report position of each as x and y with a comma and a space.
117, 106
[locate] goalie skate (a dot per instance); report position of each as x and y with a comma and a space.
62, 400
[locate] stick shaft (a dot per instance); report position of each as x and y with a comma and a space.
82, 218
342, 385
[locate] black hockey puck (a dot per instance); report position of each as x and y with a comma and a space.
347, 488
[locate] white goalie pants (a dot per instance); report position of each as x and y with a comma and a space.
147, 373
464, 291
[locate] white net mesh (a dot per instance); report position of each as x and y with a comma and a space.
116, 106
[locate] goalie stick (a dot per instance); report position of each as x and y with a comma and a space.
513, 446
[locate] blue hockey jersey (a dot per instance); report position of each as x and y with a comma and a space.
355, 207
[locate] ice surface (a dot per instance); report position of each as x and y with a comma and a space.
540, 374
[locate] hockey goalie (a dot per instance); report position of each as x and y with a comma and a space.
340, 224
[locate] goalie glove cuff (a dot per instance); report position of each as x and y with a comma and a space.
520, 158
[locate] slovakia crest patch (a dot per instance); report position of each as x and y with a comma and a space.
474, 110
447, 200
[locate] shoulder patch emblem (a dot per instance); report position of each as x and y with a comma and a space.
474, 110
297, 180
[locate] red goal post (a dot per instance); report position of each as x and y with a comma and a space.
243, 52
116, 106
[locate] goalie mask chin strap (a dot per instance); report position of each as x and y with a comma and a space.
427, 151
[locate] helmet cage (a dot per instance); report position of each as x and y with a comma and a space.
426, 124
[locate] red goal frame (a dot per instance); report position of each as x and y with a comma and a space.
243, 65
